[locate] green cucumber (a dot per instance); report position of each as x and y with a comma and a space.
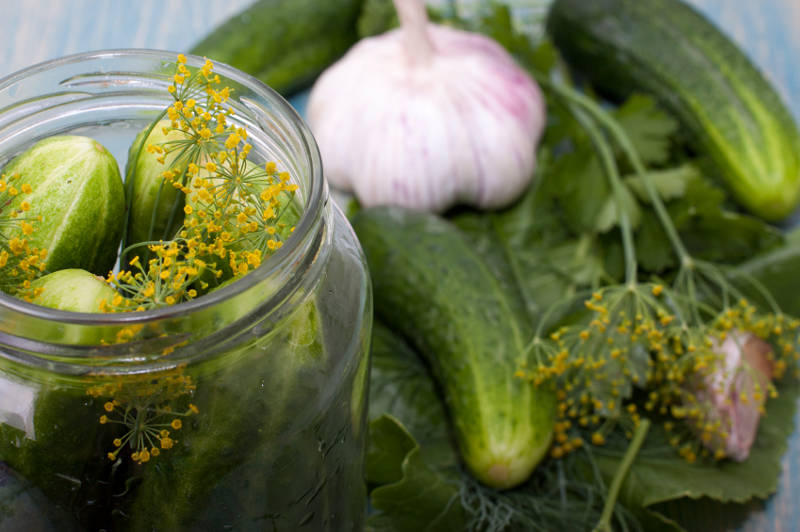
156, 206
728, 108
78, 193
284, 43
432, 287
247, 408
73, 290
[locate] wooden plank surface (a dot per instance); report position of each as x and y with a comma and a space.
37, 30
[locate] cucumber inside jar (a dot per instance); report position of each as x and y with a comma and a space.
231, 427
62, 205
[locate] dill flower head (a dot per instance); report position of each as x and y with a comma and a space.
145, 412
644, 349
235, 212
165, 280
20, 262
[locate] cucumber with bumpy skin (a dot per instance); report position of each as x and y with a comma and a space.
284, 43
247, 413
432, 287
156, 206
74, 290
77, 203
666, 48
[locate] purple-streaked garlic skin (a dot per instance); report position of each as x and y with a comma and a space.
744, 368
458, 128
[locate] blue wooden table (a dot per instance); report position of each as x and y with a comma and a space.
37, 30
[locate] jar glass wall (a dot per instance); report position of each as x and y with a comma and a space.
253, 396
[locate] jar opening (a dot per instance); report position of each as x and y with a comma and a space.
117, 89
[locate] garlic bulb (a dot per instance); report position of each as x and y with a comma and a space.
427, 117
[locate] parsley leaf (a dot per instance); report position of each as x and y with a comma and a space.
670, 183
648, 126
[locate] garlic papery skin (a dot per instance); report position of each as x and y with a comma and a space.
427, 117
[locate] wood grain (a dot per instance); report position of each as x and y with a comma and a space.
38, 30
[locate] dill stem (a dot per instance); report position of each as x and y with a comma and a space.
599, 114
604, 525
638, 167
612, 173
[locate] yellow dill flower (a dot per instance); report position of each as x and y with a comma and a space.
230, 222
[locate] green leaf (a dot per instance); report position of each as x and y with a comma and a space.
711, 232
583, 189
401, 387
670, 183
701, 197
648, 127
776, 271
423, 499
410, 456
708, 231
609, 216
653, 250
386, 451
727, 237
659, 476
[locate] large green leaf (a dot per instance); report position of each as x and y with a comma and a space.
423, 498
670, 183
401, 387
410, 457
659, 476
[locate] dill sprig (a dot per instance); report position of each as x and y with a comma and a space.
564, 494
166, 280
235, 213
658, 336
20, 262
145, 411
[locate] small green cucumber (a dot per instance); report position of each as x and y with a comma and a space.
78, 193
73, 289
284, 43
156, 206
432, 287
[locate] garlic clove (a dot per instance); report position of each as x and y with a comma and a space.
735, 392
458, 128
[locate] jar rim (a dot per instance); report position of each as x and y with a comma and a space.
281, 259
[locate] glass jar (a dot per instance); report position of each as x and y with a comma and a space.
243, 409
